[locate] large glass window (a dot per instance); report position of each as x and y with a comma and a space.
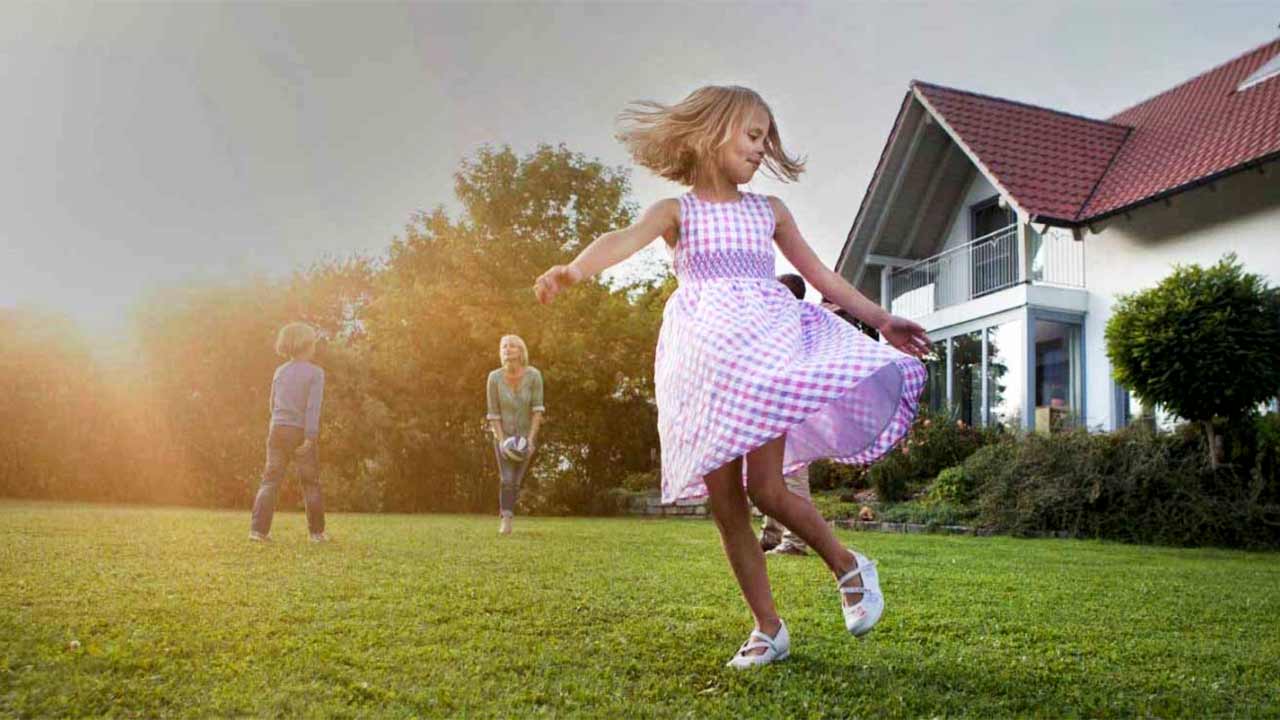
934, 396
1057, 373
987, 369
966, 377
1006, 374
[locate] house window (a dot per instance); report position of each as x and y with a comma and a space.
1266, 72
1006, 377
1057, 373
934, 396
993, 237
1154, 415
1120, 408
966, 378
978, 377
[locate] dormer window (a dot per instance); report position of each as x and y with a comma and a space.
1264, 73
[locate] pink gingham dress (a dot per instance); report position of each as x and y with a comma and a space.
740, 361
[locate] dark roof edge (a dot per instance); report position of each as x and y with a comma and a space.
1018, 103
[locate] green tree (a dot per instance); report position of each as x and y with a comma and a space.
410, 340
1203, 343
453, 286
208, 356
50, 406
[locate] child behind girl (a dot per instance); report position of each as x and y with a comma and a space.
775, 538
750, 381
297, 391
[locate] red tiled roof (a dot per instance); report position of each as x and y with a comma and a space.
1193, 131
1069, 168
1049, 161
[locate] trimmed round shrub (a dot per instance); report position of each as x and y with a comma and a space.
1203, 343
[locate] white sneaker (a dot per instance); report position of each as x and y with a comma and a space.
320, 537
776, 648
863, 615
258, 537
504, 527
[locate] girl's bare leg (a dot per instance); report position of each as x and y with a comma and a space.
769, 493
732, 516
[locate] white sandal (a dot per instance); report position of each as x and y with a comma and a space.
860, 617
776, 648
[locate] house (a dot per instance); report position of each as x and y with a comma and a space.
1007, 230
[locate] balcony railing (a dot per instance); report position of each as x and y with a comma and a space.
984, 266
1057, 259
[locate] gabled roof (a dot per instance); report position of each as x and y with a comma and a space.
1070, 170
1048, 161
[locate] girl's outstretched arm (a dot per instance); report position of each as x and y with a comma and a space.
903, 334
661, 219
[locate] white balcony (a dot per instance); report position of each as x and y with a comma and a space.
984, 266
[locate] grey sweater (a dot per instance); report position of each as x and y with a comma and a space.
296, 393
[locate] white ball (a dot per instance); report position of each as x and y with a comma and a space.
515, 448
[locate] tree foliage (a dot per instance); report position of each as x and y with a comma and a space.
410, 339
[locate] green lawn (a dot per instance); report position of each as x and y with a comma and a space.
177, 614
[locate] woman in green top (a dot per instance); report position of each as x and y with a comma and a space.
515, 410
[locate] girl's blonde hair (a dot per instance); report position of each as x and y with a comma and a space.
524, 349
295, 339
678, 141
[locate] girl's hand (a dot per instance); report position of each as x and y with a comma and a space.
907, 336
551, 282
662, 219
305, 447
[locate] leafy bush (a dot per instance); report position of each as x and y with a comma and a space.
827, 475
953, 485
1266, 459
936, 442
649, 481
1132, 485
835, 505
927, 513
891, 476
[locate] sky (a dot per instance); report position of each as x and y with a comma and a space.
158, 144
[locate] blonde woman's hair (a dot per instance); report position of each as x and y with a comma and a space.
295, 339
679, 141
524, 349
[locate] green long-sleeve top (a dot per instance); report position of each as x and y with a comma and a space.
515, 408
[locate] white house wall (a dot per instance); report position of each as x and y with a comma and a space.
1241, 215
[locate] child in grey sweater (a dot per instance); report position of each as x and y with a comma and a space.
297, 391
